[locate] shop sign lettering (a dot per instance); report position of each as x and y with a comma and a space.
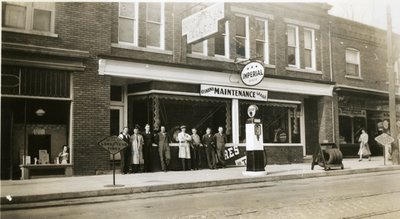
345, 111
252, 73
113, 144
231, 152
241, 161
203, 23
233, 92
39, 131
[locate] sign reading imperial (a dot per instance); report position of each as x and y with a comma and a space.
233, 92
252, 73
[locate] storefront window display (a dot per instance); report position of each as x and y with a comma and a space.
350, 129
281, 123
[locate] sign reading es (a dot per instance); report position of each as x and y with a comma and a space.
113, 144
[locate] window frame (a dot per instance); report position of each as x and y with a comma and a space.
313, 50
297, 48
29, 18
265, 41
246, 38
226, 42
205, 49
135, 24
161, 23
358, 60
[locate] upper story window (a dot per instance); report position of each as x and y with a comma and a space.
293, 46
29, 16
242, 37
309, 49
200, 48
128, 23
262, 41
353, 63
155, 25
222, 40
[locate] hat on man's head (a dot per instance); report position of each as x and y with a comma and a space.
137, 126
183, 126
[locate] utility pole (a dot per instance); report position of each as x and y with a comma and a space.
392, 88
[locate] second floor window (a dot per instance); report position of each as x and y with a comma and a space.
309, 49
155, 25
293, 46
128, 23
29, 16
242, 37
222, 40
200, 48
353, 63
262, 47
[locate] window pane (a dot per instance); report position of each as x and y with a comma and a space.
260, 50
116, 93
41, 20
220, 45
307, 39
352, 69
198, 47
260, 30
154, 12
352, 56
307, 58
15, 16
291, 37
125, 30
291, 55
241, 47
127, 9
153, 34
241, 26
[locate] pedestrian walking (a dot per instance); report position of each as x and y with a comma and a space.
364, 146
126, 152
208, 143
148, 138
220, 141
196, 144
162, 140
184, 148
136, 150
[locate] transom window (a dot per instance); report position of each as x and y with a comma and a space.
29, 16
309, 49
353, 62
128, 23
262, 44
293, 46
242, 37
155, 25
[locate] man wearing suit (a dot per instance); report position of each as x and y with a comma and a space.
126, 152
136, 150
208, 142
163, 148
148, 149
220, 140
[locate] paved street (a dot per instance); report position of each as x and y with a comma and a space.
370, 195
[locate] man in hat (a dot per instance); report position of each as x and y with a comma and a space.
184, 147
163, 148
126, 152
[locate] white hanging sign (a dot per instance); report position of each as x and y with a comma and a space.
233, 92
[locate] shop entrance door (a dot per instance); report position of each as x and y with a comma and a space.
9, 164
311, 124
116, 120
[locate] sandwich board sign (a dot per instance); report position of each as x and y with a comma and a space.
113, 145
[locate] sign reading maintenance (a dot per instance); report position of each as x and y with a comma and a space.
252, 73
233, 92
203, 23
113, 144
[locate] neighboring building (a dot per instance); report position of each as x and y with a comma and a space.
75, 73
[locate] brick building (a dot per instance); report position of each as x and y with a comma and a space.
74, 73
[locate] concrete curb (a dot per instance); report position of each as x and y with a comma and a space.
18, 200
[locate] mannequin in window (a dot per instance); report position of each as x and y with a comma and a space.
63, 156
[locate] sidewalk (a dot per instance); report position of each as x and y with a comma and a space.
46, 189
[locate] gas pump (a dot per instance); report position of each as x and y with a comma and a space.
254, 143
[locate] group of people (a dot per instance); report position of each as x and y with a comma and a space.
139, 150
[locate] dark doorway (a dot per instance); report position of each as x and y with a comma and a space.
311, 124
36, 143
114, 121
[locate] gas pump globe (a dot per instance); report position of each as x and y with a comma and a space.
254, 143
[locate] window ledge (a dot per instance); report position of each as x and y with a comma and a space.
144, 49
269, 65
310, 71
354, 77
31, 32
211, 58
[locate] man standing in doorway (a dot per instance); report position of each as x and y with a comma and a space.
220, 140
163, 148
126, 152
148, 149
136, 150
196, 143
208, 142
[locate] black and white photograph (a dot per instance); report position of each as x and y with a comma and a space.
267, 109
